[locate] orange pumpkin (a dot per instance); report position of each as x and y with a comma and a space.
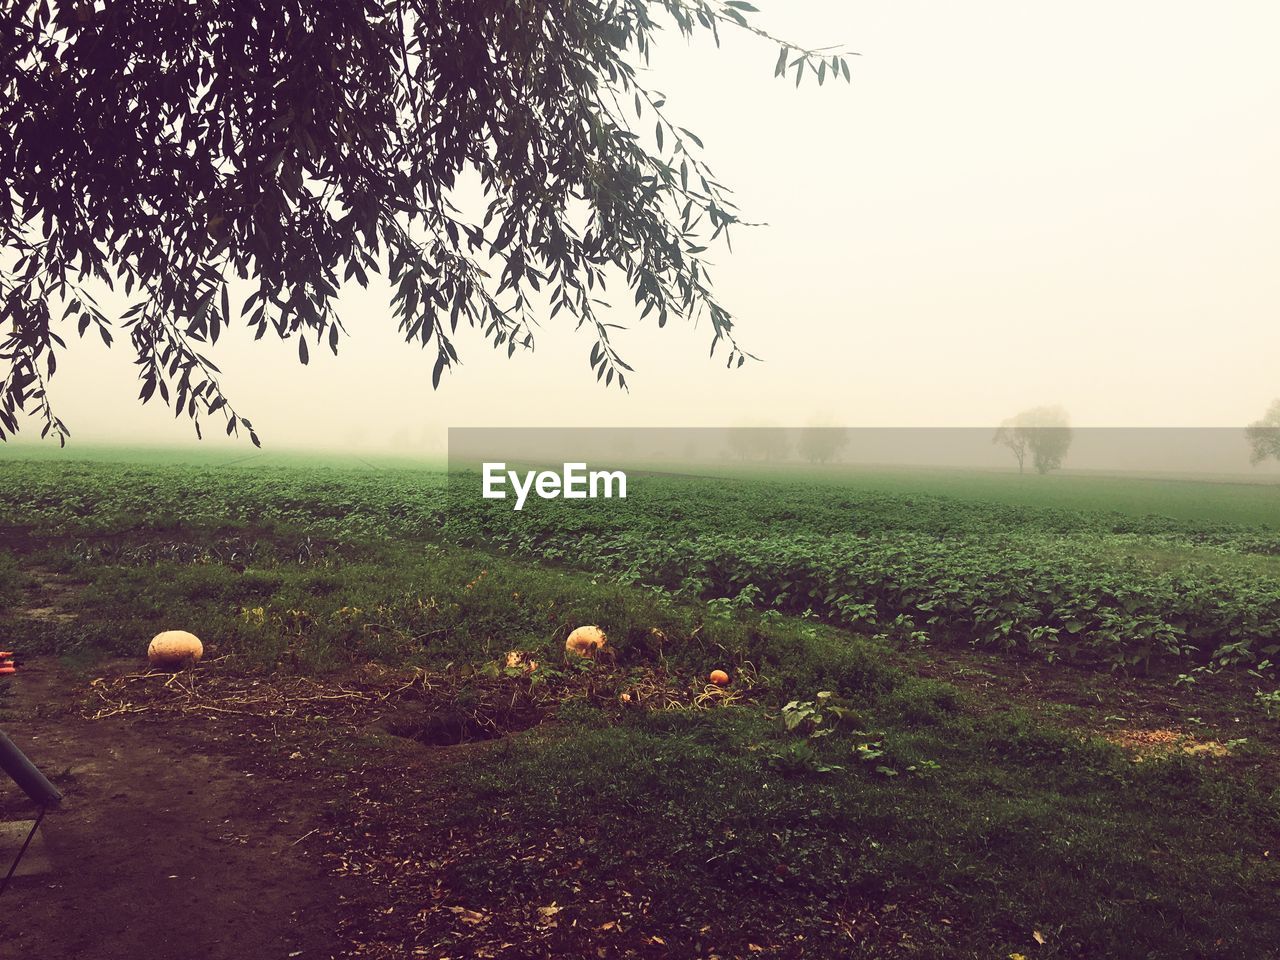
719, 678
174, 648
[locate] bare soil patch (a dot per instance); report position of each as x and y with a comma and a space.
161, 848
1146, 715
213, 813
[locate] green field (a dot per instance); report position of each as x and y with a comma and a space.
1101, 570
846, 796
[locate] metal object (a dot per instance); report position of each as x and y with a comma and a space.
13, 867
26, 775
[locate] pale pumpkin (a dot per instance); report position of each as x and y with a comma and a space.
586, 642
174, 648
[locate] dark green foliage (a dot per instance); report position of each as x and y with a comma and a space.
1080, 586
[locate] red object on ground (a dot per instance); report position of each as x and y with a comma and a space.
6, 664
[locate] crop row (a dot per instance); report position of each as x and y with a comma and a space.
1085, 597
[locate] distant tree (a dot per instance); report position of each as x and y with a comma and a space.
1010, 435
1044, 432
739, 443
773, 443
1264, 436
1050, 441
821, 444
758, 443
170, 148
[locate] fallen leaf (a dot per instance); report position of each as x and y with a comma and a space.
468, 916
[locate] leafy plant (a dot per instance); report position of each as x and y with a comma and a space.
1268, 702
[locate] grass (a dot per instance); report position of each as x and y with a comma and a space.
12, 580
841, 806
1018, 830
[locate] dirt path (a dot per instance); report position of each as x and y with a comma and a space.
160, 850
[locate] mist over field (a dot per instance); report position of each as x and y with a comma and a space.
1205, 451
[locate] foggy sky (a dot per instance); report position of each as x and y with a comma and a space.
1013, 204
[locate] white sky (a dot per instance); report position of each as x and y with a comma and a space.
1014, 204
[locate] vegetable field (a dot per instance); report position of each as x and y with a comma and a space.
1088, 585
991, 560
952, 715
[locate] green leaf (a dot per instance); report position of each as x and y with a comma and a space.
691, 135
